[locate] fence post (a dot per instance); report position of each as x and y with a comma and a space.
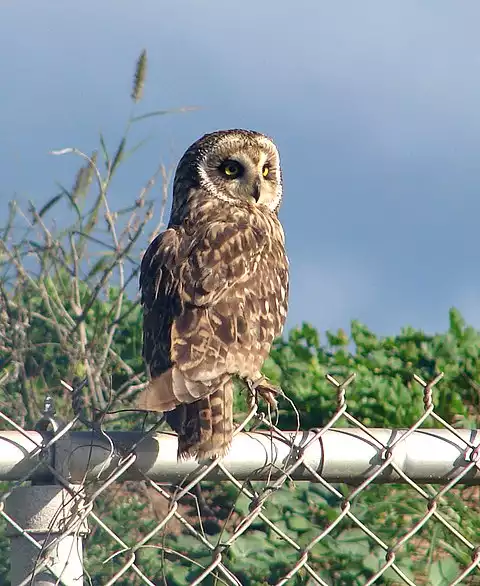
46, 542
44, 512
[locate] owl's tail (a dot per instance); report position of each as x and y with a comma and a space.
201, 412
205, 427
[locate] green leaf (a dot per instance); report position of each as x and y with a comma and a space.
353, 542
252, 543
374, 561
71, 200
118, 155
443, 572
298, 523
163, 112
49, 205
139, 144
104, 151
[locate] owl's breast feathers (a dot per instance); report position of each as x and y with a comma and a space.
215, 293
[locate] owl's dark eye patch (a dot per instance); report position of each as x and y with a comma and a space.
231, 169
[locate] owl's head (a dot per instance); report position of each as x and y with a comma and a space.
233, 166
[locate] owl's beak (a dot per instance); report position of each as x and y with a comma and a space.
256, 190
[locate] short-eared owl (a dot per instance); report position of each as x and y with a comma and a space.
214, 286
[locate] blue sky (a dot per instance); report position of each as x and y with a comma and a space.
374, 106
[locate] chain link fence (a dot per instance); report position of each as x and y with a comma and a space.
59, 482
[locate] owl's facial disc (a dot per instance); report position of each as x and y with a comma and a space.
242, 168
249, 178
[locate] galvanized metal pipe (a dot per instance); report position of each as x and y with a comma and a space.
340, 455
43, 512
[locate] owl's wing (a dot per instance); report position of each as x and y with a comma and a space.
159, 297
188, 326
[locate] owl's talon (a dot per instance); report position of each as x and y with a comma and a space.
266, 390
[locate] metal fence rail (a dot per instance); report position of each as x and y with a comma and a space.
343, 455
70, 471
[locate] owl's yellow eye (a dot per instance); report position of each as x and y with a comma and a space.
265, 170
231, 169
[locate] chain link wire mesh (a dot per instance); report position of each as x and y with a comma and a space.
193, 530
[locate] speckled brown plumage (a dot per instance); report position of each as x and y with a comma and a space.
214, 288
